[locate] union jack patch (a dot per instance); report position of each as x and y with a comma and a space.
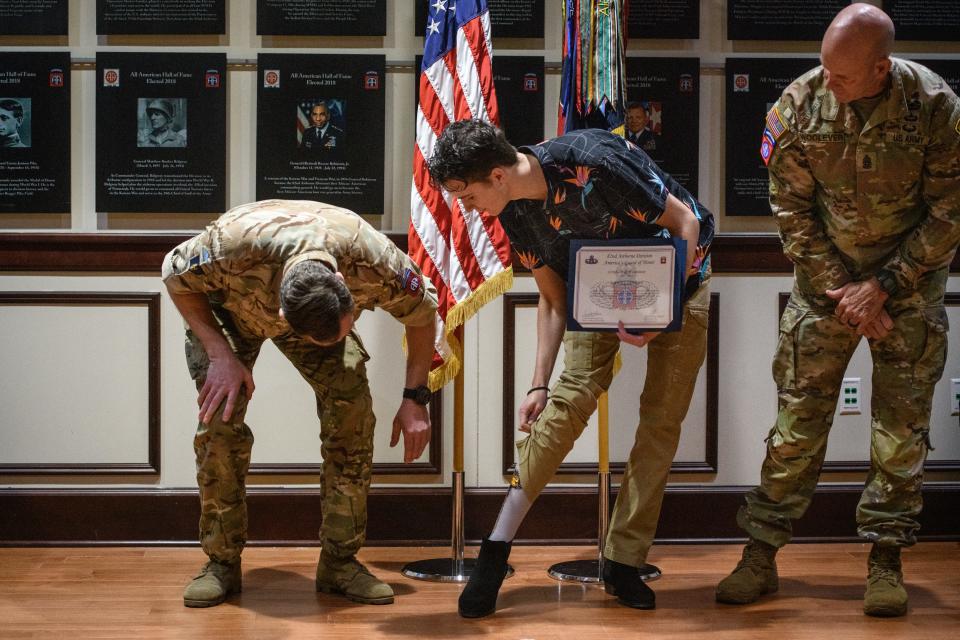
197, 261
775, 123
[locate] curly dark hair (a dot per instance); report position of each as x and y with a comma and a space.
468, 150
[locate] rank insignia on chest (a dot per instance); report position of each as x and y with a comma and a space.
868, 162
409, 281
196, 262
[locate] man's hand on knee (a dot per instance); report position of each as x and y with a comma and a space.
226, 378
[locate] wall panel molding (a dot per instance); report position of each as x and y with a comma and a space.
118, 252
708, 465
118, 299
421, 516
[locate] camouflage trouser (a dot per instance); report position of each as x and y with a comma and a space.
673, 362
808, 368
338, 377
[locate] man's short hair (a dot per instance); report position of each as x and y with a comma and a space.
468, 150
13, 107
637, 105
314, 300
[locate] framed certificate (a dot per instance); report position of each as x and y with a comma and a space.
638, 282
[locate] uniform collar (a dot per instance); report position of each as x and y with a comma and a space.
317, 254
893, 107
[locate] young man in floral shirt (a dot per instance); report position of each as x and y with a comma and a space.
588, 184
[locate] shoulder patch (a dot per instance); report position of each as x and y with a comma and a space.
409, 282
197, 261
767, 143
775, 123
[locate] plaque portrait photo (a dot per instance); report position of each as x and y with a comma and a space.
15, 120
643, 123
321, 125
162, 122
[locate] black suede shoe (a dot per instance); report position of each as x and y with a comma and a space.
479, 597
624, 581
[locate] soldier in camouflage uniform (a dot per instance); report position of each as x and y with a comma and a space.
297, 273
864, 160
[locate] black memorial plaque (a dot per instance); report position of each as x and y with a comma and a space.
33, 17
949, 70
667, 19
780, 19
320, 129
925, 19
161, 132
322, 18
753, 86
663, 110
508, 18
518, 83
134, 17
34, 132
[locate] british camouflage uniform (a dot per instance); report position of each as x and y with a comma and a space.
599, 186
852, 200
238, 262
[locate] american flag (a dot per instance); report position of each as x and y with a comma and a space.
465, 255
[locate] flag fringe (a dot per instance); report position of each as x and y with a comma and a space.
458, 315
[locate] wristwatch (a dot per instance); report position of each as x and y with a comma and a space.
420, 394
888, 282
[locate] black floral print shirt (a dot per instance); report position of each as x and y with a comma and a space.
601, 187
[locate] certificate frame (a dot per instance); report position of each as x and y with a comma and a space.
582, 286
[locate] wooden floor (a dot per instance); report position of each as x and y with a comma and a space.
76, 593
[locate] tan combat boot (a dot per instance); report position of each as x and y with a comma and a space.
213, 584
351, 579
755, 575
885, 596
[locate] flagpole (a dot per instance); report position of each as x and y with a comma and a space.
591, 571
455, 568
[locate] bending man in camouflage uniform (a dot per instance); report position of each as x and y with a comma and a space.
864, 159
296, 273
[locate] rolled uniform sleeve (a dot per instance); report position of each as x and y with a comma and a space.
932, 244
792, 200
190, 267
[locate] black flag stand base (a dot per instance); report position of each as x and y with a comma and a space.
591, 571
456, 568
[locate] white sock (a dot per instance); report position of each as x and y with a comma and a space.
512, 513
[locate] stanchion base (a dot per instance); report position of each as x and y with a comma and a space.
442, 570
588, 571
